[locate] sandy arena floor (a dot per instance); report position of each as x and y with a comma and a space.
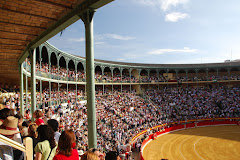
203, 143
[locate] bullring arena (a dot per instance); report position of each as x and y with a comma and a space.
135, 110
203, 143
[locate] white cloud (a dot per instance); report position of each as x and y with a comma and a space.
99, 43
163, 51
116, 36
81, 39
175, 16
151, 3
165, 5
131, 56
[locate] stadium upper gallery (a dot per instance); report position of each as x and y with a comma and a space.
59, 105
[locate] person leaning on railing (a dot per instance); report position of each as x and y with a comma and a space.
32, 132
46, 148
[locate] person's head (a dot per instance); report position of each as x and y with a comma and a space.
53, 123
112, 155
97, 152
46, 133
20, 119
25, 124
2, 106
37, 114
67, 142
5, 112
89, 156
32, 130
27, 111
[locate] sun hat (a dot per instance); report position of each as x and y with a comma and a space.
80, 152
9, 126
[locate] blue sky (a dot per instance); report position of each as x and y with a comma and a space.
160, 31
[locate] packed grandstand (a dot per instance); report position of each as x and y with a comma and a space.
59, 106
127, 103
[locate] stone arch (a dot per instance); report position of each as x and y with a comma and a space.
62, 68
125, 75
98, 74
53, 59
144, 75
202, 76
223, 74
71, 70
37, 55
80, 72
153, 72
116, 75
98, 70
44, 61
80, 67
143, 72
44, 55
162, 74
107, 74
62, 62
71, 65
116, 72
153, 75
191, 74
171, 74
181, 73
125, 71
107, 69
234, 73
212, 74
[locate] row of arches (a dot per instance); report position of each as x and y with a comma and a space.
53, 58
68, 68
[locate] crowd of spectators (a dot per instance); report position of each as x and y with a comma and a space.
60, 73
8, 88
48, 142
59, 97
10, 100
196, 103
121, 115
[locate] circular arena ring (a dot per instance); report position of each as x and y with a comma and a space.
199, 140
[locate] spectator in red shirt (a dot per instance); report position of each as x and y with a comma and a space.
38, 114
66, 145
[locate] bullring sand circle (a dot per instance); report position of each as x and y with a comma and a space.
203, 143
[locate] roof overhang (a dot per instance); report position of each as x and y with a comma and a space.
24, 25
62, 23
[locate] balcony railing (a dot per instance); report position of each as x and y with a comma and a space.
27, 149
